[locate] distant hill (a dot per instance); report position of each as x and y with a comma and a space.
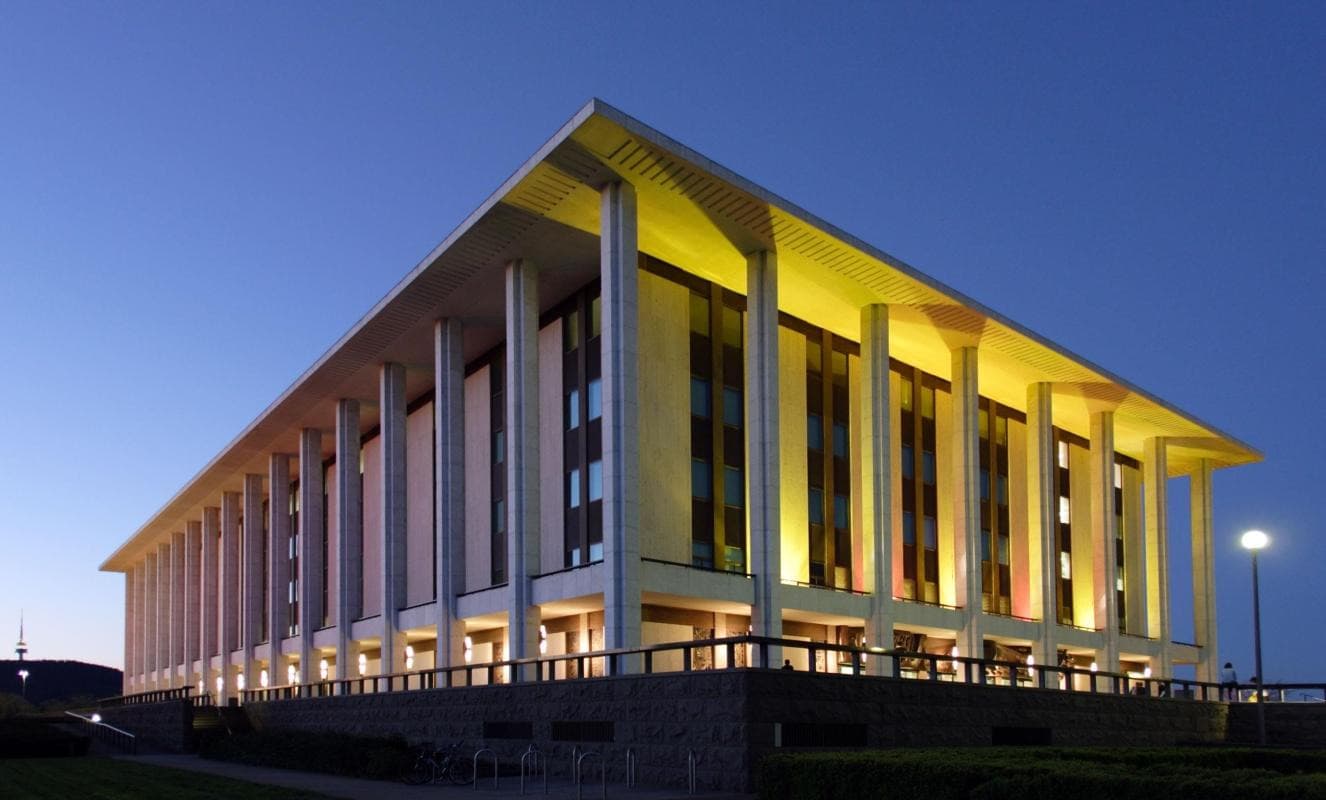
60, 680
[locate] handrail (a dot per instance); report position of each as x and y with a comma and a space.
603, 772
475, 766
631, 763
152, 696
691, 762
826, 587
847, 658
684, 565
571, 568
94, 720
919, 602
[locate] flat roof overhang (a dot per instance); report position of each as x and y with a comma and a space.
704, 218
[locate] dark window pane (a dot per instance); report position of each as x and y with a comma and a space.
816, 507
734, 487
731, 327
595, 481
928, 466
699, 314
985, 484
595, 396
573, 488
699, 397
815, 432
839, 440
571, 331
908, 528
702, 481
571, 413
908, 462
931, 533
841, 512
595, 318
731, 406
702, 554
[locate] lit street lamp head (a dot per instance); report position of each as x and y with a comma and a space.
1254, 540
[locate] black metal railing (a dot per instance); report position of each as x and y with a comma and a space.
154, 696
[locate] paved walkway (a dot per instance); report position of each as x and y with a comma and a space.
358, 789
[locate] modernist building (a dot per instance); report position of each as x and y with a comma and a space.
635, 398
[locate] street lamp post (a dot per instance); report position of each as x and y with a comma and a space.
23, 681
1254, 541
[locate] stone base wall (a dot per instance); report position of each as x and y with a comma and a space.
1287, 724
158, 726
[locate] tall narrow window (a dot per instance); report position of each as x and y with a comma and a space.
1120, 574
920, 491
828, 460
497, 459
718, 430
1063, 527
263, 634
996, 577
292, 586
582, 430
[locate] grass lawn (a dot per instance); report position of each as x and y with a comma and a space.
108, 779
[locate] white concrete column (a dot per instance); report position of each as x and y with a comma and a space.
449, 505
251, 629
211, 622
1041, 553
350, 535
278, 564
391, 392
140, 625
762, 457
1155, 501
877, 468
1203, 572
178, 676
150, 619
193, 585
130, 633
230, 586
163, 616
966, 457
1104, 531
311, 533
522, 456
620, 348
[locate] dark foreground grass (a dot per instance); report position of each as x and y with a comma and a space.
109, 779
1052, 773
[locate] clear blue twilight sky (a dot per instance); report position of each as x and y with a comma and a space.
197, 199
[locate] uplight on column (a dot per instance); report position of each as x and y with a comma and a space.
239, 681
363, 664
409, 657
291, 674
262, 679
324, 669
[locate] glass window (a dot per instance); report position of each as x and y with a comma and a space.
908, 461
499, 516
815, 432
1118, 476
816, 507
1065, 565
702, 554
842, 517
931, 533
1002, 497
499, 446
927, 402
731, 407
573, 410
814, 358
731, 327
1118, 583
1003, 550
573, 488
571, 331
1063, 454
1001, 430
908, 528
595, 396
734, 558
983, 420
702, 481
1065, 511
905, 394
699, 314
595, 481
595, 318
699, 397
985, 485
734, 487
839, 361
985, 544
927, 466
839, 440
595, 551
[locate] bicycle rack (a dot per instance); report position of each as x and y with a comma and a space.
575, 759
631, 761
476, 766
534, 758
690, 771
603, 772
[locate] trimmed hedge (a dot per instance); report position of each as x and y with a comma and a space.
1080, 774
334, 753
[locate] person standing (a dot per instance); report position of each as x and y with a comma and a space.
1229, 683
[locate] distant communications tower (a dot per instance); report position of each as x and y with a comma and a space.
22, 648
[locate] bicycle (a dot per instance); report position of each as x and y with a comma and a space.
435, 765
